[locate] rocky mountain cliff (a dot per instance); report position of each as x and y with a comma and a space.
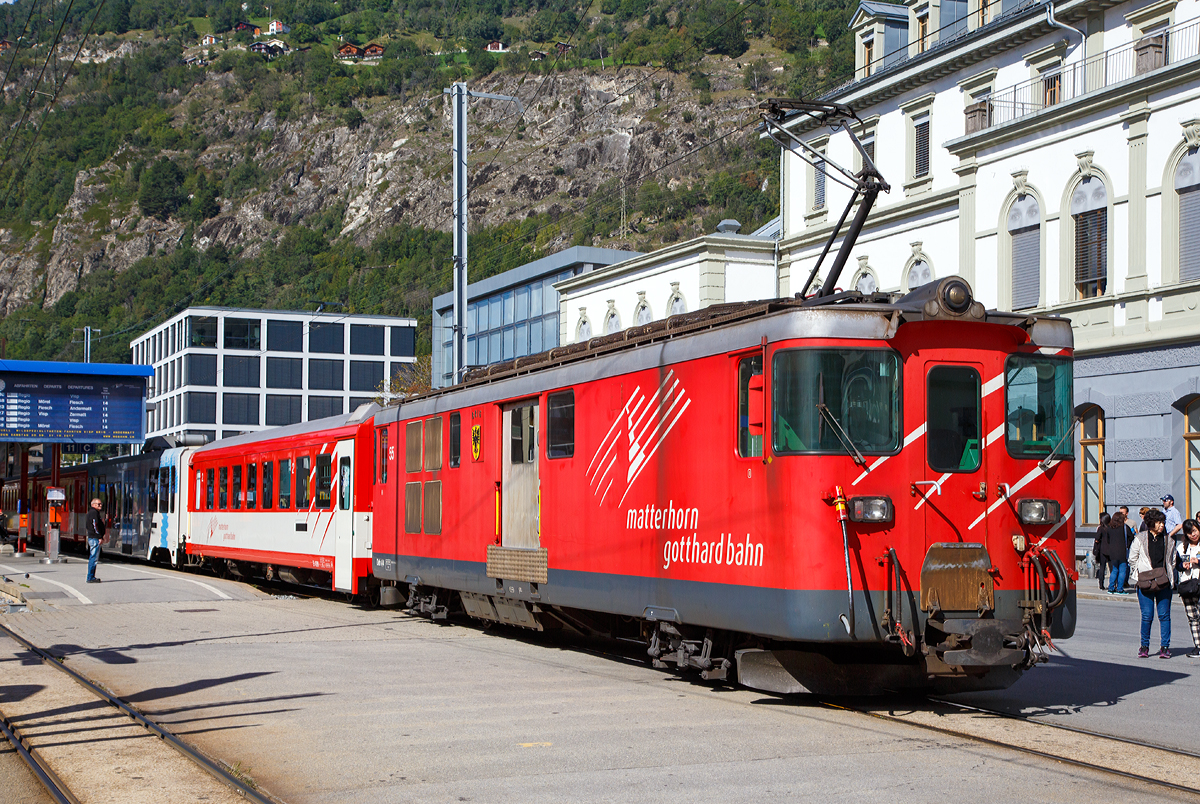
386, 160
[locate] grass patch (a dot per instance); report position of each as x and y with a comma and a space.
202, 25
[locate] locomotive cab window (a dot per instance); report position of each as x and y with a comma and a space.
455, 440
1038, 406
383, 456
560, 425
750, 407
820, 397
953, 419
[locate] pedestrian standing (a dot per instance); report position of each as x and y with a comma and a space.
1141, 528
95, 532
1188, 566
1148, 558
1174, 519
1098, 550
1115, 548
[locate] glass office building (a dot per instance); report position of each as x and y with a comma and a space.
515, 313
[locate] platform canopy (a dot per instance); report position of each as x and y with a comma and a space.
72, 403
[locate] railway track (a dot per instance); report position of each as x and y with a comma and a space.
1121, 756
54, 785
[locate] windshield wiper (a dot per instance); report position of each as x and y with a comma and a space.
1045, 462
842, 435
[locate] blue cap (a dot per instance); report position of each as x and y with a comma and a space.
1166, 497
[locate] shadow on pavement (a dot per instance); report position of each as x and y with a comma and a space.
1067, 686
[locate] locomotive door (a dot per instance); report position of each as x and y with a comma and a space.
953, 492
521, 524
343, 518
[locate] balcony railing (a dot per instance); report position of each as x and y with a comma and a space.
1159, 49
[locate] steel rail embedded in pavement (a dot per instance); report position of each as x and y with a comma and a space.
214, 769
44, 773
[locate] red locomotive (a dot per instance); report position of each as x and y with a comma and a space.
680, 482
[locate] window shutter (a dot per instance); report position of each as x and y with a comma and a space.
819, 185
1091, 252
921, 132
1189, 234
1026, 267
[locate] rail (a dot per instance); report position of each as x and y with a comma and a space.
1154, 51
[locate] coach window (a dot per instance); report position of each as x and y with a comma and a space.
174, 486
412, 446
208, 494
285, 483
223, 488
303, 466
268, 484
433, 444
750, 407
152, 491
324, 482
560, 425
953, 419
251, 486
383, 456
522, 436
412, 507
455, 440
345, 485
237, 488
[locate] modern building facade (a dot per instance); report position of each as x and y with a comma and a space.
512, 314
1048, 154
220, 372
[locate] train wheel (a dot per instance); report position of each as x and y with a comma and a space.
368, 596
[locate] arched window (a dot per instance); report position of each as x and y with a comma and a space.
1025, 233
1089, 211
612, 319
641, 313
865, 283
675, 303
1191, 437
1187, 185
919, 273
1091, 449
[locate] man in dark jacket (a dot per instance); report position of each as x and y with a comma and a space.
95, 532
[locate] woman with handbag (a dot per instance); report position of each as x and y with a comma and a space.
1149, 560
1188, 565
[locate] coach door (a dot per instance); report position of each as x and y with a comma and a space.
954, 489
343, 517
521, 521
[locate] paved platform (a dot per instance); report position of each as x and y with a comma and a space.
319, 701
48, 587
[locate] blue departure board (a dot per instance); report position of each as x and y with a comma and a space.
71, 408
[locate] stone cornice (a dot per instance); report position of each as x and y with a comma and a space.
1077, 107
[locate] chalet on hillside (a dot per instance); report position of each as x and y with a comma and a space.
208, 40
247, 26
496, 46
279, 43
349, 50
373, 51
563, 47
268, 49
536, 55
278, 28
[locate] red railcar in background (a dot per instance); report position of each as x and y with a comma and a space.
682, 483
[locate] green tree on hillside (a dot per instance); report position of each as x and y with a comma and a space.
161, 191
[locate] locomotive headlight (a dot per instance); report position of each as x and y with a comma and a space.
1039, 512
871, 509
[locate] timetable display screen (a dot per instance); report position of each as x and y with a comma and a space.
72, 408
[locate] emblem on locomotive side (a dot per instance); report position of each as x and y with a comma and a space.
643, 424
476, 441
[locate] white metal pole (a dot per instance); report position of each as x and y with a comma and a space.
460, 99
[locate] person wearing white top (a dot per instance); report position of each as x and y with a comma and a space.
1188, 566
